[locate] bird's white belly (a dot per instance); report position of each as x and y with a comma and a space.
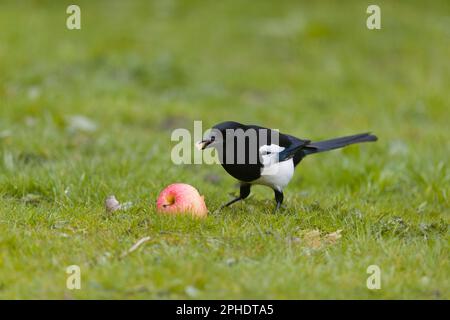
276, 175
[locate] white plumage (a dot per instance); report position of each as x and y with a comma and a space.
274, 174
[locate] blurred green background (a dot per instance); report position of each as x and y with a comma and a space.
87, 113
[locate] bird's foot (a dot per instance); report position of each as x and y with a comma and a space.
279, 208
227, 204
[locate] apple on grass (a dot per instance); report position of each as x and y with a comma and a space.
181, 198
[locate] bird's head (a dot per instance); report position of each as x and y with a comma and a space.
216, 136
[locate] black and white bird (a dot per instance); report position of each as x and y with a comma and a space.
258, 155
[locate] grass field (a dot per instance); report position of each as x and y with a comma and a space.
87, 113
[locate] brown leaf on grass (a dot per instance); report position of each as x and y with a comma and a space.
32, 198
312, 239
315, 240
112, 204
135, 246
333, 237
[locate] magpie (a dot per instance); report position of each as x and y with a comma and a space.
256, 155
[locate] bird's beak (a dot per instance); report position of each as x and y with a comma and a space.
201, 145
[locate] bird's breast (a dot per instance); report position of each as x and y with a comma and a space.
276, 175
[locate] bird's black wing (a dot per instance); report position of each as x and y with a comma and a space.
292, 146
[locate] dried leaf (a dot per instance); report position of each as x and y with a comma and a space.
112, 204
126, 205
312, 239
32, 198
135, 246
333, 237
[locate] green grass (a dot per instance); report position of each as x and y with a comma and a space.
140, 69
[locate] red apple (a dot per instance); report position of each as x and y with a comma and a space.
180, 198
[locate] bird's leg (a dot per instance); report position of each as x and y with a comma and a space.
229, 203
279, 199
244, 191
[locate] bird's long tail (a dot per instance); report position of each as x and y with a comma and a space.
336, 143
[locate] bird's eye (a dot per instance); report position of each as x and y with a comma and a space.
213, 138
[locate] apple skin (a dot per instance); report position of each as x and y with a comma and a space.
181, 198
